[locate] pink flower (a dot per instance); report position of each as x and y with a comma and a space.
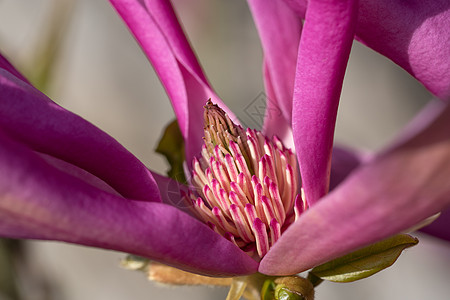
64, 179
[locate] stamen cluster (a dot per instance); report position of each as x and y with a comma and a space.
246, 185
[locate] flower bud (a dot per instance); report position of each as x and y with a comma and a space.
287, 288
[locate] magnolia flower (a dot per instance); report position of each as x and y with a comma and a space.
64, 179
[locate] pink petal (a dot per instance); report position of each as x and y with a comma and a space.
279, 28
28, 116
299, 6
274, 122
155, 26
78, 172
169, 189
324, 50
171, 193
391, 193
414, 34
38, 201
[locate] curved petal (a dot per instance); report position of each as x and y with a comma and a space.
79, 173
323, 53
171, 193
155, 26
413, 34
274, 121
28, 116
169, 189
38, 201
389, 194
441, 227
279, 29
299, 6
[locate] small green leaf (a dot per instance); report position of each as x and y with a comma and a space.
171, 145
365, 262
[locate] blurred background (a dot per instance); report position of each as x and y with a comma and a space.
101, 74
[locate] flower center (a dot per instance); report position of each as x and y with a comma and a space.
246, 185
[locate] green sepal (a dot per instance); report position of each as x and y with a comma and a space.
366, 261
135, 263
171, 146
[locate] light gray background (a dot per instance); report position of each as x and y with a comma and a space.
104, 77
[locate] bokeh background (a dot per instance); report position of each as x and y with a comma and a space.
102, 75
